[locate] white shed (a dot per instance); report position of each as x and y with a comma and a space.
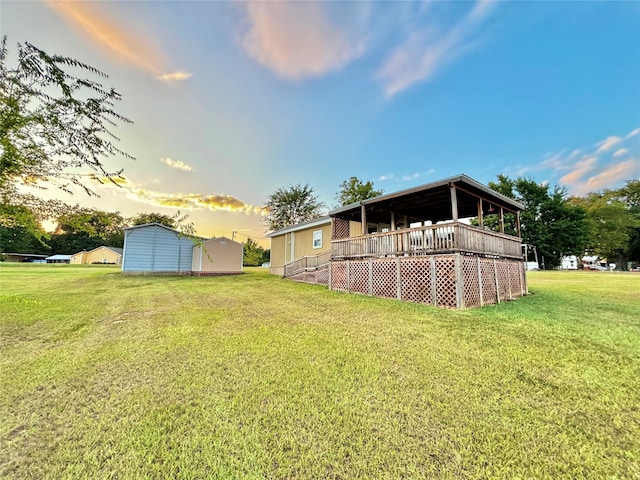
154, 247
218, 256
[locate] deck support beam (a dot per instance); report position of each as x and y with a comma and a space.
454, 203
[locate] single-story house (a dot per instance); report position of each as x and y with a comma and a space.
298, 241
103, 254
58, 259
154, 247
217, 256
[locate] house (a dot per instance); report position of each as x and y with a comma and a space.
295, 243
156, 248
418, 245
569, 262
590, 262
58, 259
217, 256
103, 254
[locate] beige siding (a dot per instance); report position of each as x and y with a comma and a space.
277, 253
103, 255
220, 255
78, 258
302, 240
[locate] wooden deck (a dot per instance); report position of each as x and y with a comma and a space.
450, 237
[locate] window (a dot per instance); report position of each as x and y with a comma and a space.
317, 239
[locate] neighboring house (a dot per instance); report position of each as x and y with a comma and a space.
156, 248
103, 254
58, 259
217, 256
590, 262
293, 243
569, 262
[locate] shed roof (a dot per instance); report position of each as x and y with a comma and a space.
163, 226
315, 222
431, 200
59, 257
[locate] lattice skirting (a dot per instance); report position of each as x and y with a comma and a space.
454, 281
320, 276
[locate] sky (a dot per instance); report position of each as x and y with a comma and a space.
231, 101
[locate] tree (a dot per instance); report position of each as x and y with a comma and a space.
614, 222
549, 221
144, 218
86, 229
354, 190
291, 205
54, 126
24, 234
253, 254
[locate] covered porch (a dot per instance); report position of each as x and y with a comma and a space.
419, 245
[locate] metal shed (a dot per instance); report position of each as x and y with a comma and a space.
156, 248
217, 256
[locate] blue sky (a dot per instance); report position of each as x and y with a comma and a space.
233, 100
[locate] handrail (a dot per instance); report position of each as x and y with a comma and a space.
308, 262
426, 240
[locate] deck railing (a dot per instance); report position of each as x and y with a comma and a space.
310, 262
427, 240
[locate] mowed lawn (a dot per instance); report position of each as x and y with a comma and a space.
111, 376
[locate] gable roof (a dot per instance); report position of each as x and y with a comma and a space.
315, 222
165, 227
113, 249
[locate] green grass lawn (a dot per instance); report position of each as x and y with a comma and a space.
111, 376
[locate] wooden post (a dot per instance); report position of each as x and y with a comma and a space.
330, 275
518, 224
398, 280
480, 215
454, 203
480, 280
501, 220
495, 277
393, 221
434, 279
363, 217
459, 286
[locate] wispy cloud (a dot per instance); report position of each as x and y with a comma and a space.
609, 176
595, 167
124, 45
423, 53
405, 177
299, 39
192, 201
580, 169
177, 164
176, 76
633, 133
607, 144
621, 152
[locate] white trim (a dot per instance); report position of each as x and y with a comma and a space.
300, 226
313, 239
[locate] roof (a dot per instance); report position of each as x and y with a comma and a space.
113, 249
226, 239
431, 199
165, 227
59, 257
36, 255
316, 222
